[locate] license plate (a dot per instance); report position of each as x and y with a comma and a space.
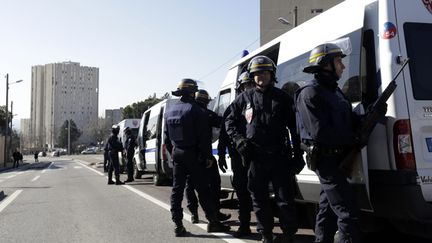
429, 144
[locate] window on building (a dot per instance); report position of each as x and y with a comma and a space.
316, 10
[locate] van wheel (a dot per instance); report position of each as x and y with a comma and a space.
159, 180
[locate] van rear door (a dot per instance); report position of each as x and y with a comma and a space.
414, 32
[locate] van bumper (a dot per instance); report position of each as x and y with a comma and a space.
395, 195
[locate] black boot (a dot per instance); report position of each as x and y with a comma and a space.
223, 216
242, 231
118, 182
179, 230
216, 226
129, 180
284, 238
195, 218
110, 181
267, 238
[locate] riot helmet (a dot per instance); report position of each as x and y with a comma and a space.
243, 80
321, 56
185, 87
127, 131
202, 97
261, 63
115, 129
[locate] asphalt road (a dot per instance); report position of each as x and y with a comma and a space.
67, 199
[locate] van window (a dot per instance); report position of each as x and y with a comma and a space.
368, 74
223, 101
418, 36
151, 127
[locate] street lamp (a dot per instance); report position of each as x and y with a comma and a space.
284, 21
6, 152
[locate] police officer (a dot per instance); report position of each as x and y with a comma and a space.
326, 121
114, 146
265, 141
186, 130
239, 171
130, 150
202, 98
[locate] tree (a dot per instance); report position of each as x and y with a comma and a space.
75, 133
137, 109
3, 119
100, 131
15, 140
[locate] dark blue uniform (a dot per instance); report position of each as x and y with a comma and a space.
130, 151
114, 146
186, 130
212, 172
268, 115
240, 179
326, 120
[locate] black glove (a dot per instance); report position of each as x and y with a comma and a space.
222, 163
298, 164
243, 147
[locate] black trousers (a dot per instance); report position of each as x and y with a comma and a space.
338, 209
186, 164
114, 165
214, 186
240, 181
272, 169
129, 166
16, 161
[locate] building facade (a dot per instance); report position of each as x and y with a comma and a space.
294, 11
25, 139
113, 116
59, 92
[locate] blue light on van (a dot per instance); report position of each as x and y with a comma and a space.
429, 144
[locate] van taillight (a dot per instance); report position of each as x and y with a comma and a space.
164, 153
402, 145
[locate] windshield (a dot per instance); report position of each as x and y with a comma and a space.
418, 36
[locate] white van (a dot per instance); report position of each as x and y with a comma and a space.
151, 154
393, 176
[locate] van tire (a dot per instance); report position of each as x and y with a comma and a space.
159, 180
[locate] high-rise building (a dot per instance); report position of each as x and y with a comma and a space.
25, 133
113, 116
294, 11
59, 92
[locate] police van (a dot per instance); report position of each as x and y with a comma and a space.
151, 155
133, 125
393, 175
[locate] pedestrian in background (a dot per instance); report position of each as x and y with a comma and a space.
187, 140
270, 143
16, 157
36, 155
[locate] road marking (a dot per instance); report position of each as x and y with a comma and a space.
51, 163
88, 167
11, 176
224, 236
9, 199
77, 167
34, 179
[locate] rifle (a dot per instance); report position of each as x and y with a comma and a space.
369, 123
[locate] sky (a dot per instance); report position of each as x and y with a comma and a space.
141, 47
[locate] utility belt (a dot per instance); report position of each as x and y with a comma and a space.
314, 152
